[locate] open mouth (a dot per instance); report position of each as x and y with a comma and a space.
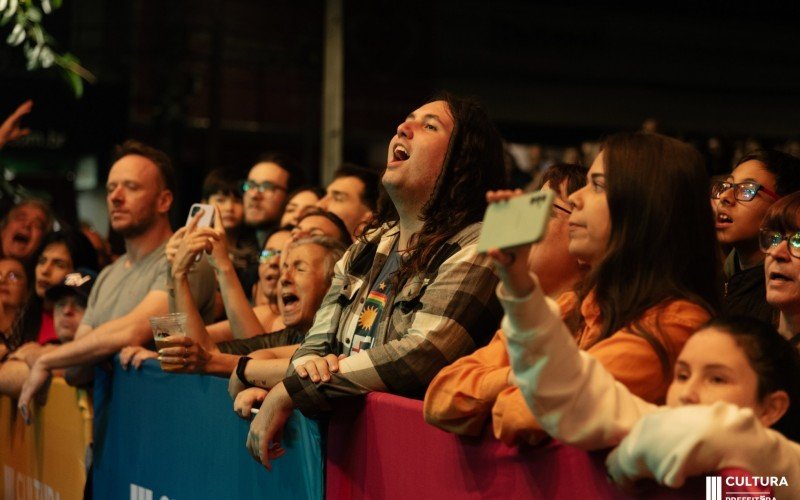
290, 300
21, 238
723, 218
400, 153
779, 277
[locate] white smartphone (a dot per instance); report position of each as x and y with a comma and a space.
207, 219
515, 222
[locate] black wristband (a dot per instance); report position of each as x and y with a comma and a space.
240, 370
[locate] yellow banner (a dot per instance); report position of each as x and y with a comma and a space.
45, 460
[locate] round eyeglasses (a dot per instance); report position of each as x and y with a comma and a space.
769, 239
743, 191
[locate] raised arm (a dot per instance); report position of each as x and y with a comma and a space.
11, 129
243, 321
192, 243
571, 394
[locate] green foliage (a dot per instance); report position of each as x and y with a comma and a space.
24, 18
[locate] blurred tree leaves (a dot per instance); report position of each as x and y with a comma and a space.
24, 18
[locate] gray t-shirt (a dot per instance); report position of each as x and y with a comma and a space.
119, 289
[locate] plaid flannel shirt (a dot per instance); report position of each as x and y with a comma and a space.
433, 320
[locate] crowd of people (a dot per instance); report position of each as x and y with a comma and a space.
659, 315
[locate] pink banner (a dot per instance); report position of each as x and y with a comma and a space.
384, 449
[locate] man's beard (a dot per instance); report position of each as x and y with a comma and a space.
136, 228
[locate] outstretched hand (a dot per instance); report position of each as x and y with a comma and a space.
11, 129
511, 263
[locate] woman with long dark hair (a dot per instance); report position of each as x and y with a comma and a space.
61, 253
644, 226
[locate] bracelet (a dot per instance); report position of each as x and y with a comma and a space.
240, 370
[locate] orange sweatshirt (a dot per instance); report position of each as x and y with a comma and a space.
461, 396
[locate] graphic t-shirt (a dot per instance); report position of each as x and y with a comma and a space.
380, 295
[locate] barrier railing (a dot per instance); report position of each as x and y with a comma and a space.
168, 436
45, 460
162, 436
383, 448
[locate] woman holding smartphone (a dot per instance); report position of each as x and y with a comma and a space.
644, 226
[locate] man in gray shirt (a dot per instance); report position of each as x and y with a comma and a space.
140, 191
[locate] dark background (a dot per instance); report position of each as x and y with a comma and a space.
215, 83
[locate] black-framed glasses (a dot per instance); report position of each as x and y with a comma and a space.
743, 191
262, 187
769, 239
10, 276
267, 254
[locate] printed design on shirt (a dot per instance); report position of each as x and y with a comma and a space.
370, 318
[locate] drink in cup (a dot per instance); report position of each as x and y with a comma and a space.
167, 326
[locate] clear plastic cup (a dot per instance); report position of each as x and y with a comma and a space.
167, 326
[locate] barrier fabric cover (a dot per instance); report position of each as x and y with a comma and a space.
176, 436
45, 460
384, 449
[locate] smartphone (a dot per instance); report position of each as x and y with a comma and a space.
515, 222
207, 219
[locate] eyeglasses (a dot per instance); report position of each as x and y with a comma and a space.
262, 187
559, 207
744, 191
267, 254
769, 239
10, 276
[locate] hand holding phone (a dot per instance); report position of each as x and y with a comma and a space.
207, 219
518, 221
513, 221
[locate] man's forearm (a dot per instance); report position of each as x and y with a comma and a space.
89, 349
266, 373
221, 364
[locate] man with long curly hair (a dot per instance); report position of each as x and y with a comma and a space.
412, 295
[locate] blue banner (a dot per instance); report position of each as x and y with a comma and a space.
162, 436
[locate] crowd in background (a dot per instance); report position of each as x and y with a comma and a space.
656, 296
